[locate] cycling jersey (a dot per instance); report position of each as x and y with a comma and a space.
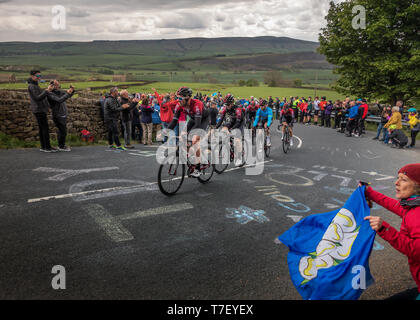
264, 116
227, 117
287, 115
199, 116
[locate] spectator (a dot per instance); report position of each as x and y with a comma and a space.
327, 113
414, 126
308, 112
322, 106
39, 107
112, 109
400, 106
397, 136
337, 110
384, 119
137, 130
127, 116
166, 114
157, 122
364, 108
146, 121
407, 207
57, 99
352, 122
395, 119
316, 110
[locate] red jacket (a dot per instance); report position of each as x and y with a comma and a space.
407, 240
365, 110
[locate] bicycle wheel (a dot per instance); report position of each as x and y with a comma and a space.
245, 151
286, 141
220, 167
267, 151
170, 178
207, 172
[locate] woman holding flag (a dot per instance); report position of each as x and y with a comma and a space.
407, 240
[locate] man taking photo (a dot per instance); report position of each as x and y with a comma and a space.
39, 107
57, 100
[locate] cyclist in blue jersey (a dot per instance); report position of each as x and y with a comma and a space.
264, 119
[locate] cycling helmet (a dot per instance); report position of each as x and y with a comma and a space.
229, 99
263, 102
184, 92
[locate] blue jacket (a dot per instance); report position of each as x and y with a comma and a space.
155, 115
353, 112
267, 114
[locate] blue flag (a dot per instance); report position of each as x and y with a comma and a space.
329, 252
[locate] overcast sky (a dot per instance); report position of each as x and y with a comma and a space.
24, 20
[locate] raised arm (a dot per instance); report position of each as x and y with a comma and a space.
392, 205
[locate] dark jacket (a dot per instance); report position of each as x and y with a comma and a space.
127, 114
112, 108
146, 113
57, 100
136, 116
39, 101
399, 137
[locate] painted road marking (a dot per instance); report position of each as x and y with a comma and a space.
112, 225
295, 218
157, 211
94, 194
68, 173
121, 190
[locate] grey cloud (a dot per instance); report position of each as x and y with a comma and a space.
77, 13
183, 21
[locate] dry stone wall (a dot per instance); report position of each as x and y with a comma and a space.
17, 119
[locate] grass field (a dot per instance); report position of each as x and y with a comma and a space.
204, 88
242, 92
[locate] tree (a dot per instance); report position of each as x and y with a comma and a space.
242, 83
275, 79
252, 83
298, 83
381, 60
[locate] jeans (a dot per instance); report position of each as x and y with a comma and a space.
386, 135
61, 124
378, 133
44, 131
127, 131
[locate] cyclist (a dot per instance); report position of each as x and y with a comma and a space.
252, 113
264, 118
199, 119
227, 114
287, 115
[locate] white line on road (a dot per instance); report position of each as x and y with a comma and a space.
68, 173
300, 142
157, 211
110, 224
90, 192
114, 189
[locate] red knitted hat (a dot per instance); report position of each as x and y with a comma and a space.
412, 171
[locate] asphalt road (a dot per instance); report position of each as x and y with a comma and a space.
100, 215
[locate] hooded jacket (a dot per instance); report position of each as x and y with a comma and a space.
39, 102
407, 240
